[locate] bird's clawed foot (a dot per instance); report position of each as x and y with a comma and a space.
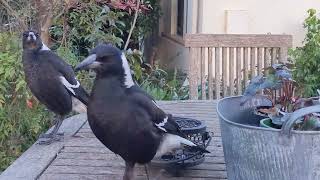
46, 139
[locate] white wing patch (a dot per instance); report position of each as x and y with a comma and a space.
44, 47
172, 142
161, 124
69, 86
128, 82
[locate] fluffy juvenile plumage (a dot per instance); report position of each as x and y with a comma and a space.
124, 117
51, 80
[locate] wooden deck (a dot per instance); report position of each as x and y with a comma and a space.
83, 157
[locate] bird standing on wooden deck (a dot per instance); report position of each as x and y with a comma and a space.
52, 81
125, 118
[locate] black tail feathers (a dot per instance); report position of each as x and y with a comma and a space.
82, 95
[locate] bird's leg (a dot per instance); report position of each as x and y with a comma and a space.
128, 174
146, 169
53, 135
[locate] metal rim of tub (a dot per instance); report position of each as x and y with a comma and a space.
256, 127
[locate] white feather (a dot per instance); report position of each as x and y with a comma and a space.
172, 142
161, 124
127, 77
44, 47
69, 86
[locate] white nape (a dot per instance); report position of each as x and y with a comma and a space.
69, 86
172, 142
44, 47
78, 106
128, 82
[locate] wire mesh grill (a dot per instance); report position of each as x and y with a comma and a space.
196, 132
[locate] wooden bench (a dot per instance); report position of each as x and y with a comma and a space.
222, 64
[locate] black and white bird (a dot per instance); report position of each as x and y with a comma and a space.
124, 117
52, 81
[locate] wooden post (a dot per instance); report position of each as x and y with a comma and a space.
193, 77
203, 74
245, 65
239, 78
210, 74
283, 54
231, 69
274, 55
217, 72
260, 59
224, 70
253, 62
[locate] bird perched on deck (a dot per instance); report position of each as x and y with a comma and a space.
124, 117
52, 81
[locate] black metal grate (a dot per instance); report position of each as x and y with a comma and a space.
196, 132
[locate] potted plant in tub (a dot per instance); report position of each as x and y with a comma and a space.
288, 148
270, 132
278, 99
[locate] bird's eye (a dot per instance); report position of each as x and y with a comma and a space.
25, 34
37, 34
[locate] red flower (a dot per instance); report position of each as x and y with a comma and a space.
29, 103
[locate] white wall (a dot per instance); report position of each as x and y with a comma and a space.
264, 16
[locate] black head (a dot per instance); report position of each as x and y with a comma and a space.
104, 58
31, 40
107, 60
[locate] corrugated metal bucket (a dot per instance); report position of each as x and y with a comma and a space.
256, 153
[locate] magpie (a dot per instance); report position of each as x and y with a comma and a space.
124, 117
52, 81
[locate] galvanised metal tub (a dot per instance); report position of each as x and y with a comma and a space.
255, 153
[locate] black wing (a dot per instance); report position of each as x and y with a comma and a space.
161, 120
67, 72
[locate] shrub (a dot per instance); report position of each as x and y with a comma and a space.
22, 119
307, 58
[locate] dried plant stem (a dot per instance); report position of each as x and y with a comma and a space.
132, 25
14, 13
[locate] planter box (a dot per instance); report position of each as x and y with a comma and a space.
256, 153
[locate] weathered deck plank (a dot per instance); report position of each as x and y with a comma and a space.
83, 157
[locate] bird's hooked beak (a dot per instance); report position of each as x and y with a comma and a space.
88, 63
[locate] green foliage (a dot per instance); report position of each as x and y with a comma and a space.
307, 58
19, 124
12, 84
90, 23
157, 82
147, 21
19, 128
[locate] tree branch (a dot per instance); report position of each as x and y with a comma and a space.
132, 25
13, 13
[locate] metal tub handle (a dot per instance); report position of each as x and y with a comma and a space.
293, 117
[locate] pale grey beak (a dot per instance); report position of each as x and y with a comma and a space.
88, 63
31, 36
